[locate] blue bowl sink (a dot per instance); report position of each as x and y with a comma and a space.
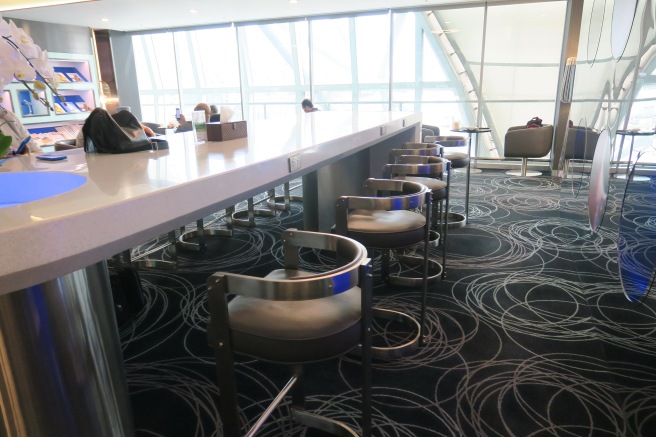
19, 188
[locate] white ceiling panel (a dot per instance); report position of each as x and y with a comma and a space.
139, 15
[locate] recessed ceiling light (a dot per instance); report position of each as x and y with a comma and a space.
293, 1
14, 5
193, 11
104, 19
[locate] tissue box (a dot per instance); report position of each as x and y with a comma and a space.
226, 131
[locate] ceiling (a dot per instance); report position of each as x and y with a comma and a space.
138, 15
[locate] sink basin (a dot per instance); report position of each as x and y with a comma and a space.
18, 188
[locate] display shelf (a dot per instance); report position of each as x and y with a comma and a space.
77, 101
31, 107
72, 71
79, 87
48, 134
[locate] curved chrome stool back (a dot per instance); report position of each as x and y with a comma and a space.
293, 317
429, 150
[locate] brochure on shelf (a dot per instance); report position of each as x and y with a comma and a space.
47, 136
62, 77
74, 105
70, 73
77, 104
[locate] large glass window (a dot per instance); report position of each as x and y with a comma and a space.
521, 66
208, 67
157, 77
442, 64
275, 68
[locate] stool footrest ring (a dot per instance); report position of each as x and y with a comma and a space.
239, 220
278, 202
155, 264
322, 423
454, 220
433, 241
434, 272
185, 244
402, 350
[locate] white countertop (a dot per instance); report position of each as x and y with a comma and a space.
130, 198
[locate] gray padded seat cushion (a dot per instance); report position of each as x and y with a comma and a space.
307, 331
437, 186
386, 229
458, 160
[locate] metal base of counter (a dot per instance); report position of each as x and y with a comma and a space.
60, 359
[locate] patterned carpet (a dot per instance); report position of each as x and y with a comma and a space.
530, 333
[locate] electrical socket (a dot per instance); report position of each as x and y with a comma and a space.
294, 163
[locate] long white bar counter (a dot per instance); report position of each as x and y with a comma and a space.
129, 198
59, 345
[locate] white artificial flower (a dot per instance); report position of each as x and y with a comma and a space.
20, 58
23, 41
42, 64
24, 71
54, 81
4, 28
8, 59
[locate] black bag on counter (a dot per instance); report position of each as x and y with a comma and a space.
118, 133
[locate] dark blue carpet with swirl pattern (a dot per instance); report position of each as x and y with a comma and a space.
530, 333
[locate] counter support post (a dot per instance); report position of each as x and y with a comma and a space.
60, 359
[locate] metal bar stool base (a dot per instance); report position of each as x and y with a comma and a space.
401, 350
279, 202
530, 174
454, 220
185, 244
322, 423
636, 178
434, 239
155, 264
434, 272
239, 220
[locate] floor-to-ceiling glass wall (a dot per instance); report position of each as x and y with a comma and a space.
436, 63
208, 68
488, 65
274, 68
350, 63
156, 76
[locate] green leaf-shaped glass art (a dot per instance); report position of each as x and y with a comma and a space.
5, 143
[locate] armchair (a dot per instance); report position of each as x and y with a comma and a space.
523, 142
580, 145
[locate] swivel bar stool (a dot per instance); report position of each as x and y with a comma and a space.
384, 220
426, 170
292, 317
458, 160
421, 149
